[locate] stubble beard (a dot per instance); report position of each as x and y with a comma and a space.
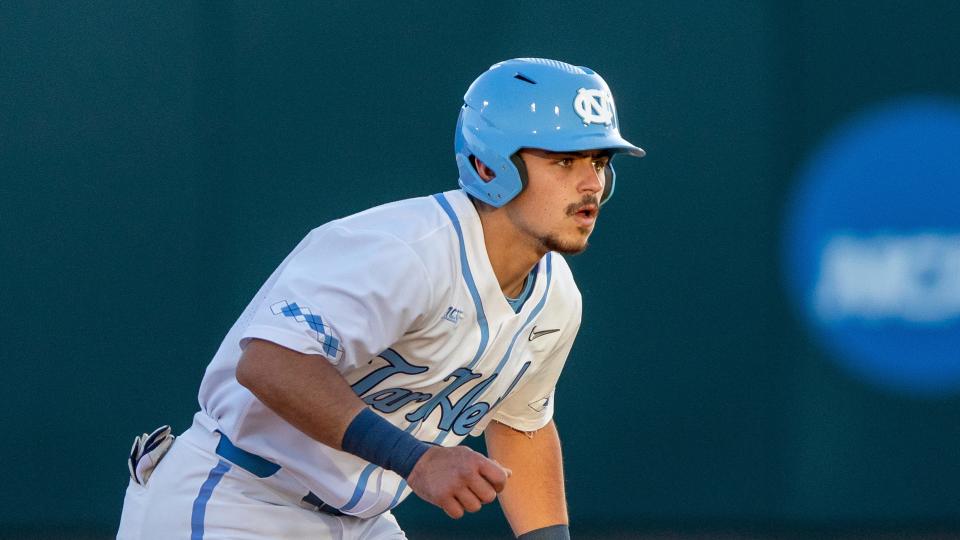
554, 243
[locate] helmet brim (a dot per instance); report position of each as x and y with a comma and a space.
608, 141
629, 149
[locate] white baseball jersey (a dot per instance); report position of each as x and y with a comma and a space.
403, 301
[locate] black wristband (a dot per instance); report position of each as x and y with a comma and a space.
553, 532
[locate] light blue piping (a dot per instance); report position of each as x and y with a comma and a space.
203, 497
467, 278
536, 310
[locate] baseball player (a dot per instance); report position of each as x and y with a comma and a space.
388, 336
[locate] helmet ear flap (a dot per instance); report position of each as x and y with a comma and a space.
609, 184
521, 166
610, 176
469, 146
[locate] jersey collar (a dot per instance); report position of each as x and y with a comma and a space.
494, 302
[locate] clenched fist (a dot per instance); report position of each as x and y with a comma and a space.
457, 479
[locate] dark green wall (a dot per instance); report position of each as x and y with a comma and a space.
158, 160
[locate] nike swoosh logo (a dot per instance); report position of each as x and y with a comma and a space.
534, 334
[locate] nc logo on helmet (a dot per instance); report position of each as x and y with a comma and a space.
594, 106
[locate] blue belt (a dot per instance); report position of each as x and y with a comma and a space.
262, 468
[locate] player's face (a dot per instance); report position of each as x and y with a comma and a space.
561, 202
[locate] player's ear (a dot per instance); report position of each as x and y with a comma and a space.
486, 173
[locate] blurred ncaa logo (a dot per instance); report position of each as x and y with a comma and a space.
872, 245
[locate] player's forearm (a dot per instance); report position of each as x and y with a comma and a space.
305, 390
310, 394
533, 497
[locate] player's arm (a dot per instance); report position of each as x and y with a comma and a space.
534, 498
303, 389
309, 393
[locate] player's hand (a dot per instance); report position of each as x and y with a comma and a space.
457, 479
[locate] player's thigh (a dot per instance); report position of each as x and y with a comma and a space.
382, 527
134, 505
198, 495
165, 494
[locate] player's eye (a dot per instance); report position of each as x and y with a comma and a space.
565, 162
600, 164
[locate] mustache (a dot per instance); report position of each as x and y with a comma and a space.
586, 200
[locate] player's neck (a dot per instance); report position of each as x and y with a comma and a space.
511, 253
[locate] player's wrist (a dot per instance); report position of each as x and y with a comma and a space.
371, 437
553, 532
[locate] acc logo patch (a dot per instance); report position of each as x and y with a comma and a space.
321, 330
453, 315
594, 106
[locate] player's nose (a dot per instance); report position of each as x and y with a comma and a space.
591, 180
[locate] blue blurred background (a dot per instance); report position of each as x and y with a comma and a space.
771, 337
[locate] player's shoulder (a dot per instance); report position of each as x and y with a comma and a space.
400, 232
408, 220
401, 223
564, 290
562, 274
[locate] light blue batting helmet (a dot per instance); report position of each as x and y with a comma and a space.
533, 103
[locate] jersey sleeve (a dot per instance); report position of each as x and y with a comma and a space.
342, 294
529, 407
